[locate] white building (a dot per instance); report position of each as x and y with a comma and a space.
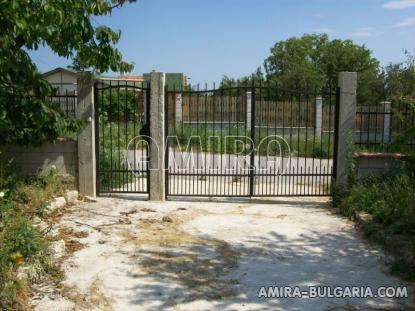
65, 83
63, 79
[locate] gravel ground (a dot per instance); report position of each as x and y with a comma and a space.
132, 254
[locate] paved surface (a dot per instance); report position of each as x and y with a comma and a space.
200, 255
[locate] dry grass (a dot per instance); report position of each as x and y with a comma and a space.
90, 298
70, 236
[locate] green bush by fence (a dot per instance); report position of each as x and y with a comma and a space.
390, 203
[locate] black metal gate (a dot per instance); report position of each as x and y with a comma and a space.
122, 112
250, 141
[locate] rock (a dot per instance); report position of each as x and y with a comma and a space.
56, 203
71, 197
57, 249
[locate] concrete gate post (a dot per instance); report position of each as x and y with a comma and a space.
86, 138
386, 121
346, 129
157, 134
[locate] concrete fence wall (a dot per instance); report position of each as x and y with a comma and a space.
29, 160
77, 158
369, 164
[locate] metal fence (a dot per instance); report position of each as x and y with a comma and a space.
386, 127
67, 102
249, 141
121, 154
278, 112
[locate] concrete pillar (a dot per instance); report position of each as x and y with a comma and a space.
248, 120
86, 138
319, 117
346, 120
386, 121
178, 109
157, 133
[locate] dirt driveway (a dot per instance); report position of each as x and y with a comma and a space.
195, 255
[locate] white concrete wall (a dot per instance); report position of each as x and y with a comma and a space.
376, 165
29, 160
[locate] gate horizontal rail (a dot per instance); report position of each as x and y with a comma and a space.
121, 114
244, 119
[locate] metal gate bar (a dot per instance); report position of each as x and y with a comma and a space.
121, 153
215, 146
206, 117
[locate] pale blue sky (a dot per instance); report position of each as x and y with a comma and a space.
207, 39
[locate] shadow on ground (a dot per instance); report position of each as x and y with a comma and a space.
206, 270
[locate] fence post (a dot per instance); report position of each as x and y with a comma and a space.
157, 188
346, 116
86, 138
386, 121
248, 110
178, 109
319, 117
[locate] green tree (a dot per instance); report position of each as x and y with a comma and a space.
255, 78
26, 116
123, 105
312, 62
399, 79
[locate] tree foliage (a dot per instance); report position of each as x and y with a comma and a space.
399, 79
313, 61
254, 79
123, 105
26, 115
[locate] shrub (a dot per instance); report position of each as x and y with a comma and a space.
8, 179
20, 242
391, 203
18, 235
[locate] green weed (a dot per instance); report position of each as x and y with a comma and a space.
21, 244
391, 203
